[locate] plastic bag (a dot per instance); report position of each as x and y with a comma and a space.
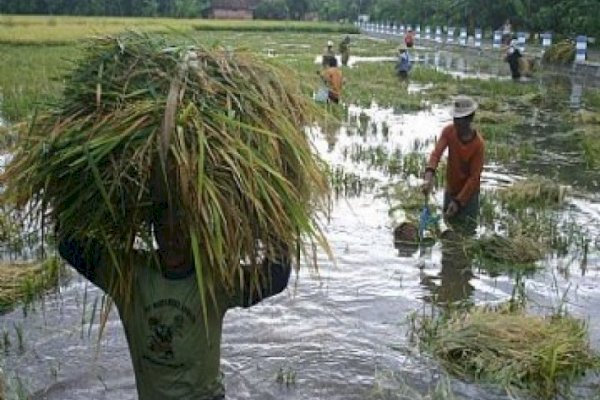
322, 94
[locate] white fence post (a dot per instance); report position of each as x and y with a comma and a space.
497, 39
450, 35
438, 34
463, 37
546, 41
581, 49
478, 38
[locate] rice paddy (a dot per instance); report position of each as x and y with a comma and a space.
529, 229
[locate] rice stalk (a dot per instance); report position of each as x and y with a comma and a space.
223, 132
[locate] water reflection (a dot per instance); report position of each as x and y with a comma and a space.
453, 283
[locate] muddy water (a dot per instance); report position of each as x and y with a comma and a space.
343, 333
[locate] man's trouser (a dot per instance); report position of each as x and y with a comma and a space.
465, 220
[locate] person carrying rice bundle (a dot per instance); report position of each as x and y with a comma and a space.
178, 178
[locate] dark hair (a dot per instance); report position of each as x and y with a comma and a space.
333, 62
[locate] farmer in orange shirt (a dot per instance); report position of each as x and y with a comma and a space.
409, 39
332, 76
465, 163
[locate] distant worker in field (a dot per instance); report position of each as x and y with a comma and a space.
403, 65
327, 54
465, 164
332, 76
345, 50
513, 58
409, 39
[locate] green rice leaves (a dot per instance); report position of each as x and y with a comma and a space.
227, 129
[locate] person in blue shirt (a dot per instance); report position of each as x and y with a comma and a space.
404, 65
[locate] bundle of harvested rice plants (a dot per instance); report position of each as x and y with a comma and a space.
515, 253
561, 53
26, 281
511, 348
534, 191
224, 132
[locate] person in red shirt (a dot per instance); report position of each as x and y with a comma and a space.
465, 163
409, 38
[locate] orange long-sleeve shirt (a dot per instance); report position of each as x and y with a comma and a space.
334, 79
465, 163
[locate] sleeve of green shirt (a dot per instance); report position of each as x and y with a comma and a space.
90, 259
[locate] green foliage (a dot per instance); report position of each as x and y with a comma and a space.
272, 9
28, 78
567, 17
150, 8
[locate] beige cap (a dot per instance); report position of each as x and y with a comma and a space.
463, 106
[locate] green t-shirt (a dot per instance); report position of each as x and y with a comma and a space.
173, 356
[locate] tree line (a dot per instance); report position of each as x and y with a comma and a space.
567, 17
115, 8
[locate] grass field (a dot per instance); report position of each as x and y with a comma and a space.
52, 30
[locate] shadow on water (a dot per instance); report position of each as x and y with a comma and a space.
453, 283
342, 333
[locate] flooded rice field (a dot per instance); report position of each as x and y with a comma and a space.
343, 333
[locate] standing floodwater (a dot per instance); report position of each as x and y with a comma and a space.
339, 334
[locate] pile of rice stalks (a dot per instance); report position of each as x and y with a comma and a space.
561, 53
26, 281
223, 131
518, 249
511, 348
534, 191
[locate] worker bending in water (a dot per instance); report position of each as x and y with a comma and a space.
465, 163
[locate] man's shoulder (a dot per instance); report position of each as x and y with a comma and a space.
448, 129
